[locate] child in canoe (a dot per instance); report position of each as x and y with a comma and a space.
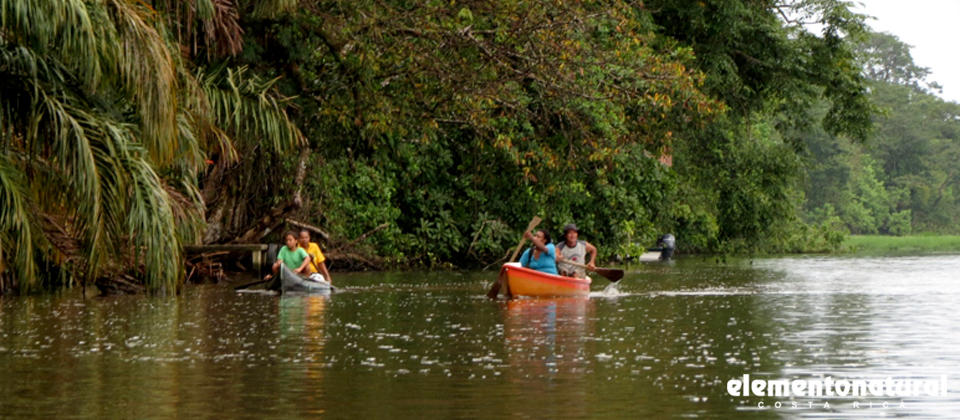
292, 256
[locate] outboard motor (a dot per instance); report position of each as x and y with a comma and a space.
666, 244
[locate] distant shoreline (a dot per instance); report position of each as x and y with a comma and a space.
881, 243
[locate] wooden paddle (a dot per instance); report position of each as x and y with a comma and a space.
244, 286
612, 274
495, 289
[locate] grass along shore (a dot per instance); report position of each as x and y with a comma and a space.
880, 243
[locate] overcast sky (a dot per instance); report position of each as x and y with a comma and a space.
931, 27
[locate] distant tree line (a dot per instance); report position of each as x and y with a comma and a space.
904, 179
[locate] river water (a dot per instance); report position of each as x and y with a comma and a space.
664, 342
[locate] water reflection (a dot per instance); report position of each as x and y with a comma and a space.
546, 335
546, 342
304, 314
867, 318
429, 345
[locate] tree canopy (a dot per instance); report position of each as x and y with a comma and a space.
131, 128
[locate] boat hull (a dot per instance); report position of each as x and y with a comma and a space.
532, 283
290, 282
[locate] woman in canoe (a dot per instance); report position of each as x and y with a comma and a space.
292, 256
542, 256
317, 260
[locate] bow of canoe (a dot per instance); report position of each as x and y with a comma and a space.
532, 283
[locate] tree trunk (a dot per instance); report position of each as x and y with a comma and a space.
231, 193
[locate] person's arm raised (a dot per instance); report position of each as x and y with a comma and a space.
536, 242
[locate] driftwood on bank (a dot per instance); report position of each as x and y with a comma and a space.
206, 265
350, 261
345, 256
362, 237
340, 255
267, 224
348, 258
314, 229
122, 284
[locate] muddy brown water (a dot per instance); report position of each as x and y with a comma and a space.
664, 342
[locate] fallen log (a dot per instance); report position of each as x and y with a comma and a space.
267, 224
352, 261
362, 237
314, 229
118, 285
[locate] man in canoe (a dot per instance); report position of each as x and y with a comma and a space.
574, 250
542, 256
292, 256
317, 260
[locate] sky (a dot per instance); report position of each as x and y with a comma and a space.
931, 27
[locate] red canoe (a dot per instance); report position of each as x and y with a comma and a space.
532, 283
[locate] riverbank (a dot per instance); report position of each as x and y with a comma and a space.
880, 243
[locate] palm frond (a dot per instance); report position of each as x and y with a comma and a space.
134, 219
61, 27
104, 131
223, 28
200, 122
210, 27
152, 225
146, 57
273, 8
250, 110
16, 229
57, 129
99, 176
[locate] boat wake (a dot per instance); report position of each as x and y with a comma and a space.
611, 291
257, 292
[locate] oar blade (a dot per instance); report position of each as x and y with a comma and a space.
494, 290
612, 274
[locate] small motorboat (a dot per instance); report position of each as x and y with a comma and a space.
522, 281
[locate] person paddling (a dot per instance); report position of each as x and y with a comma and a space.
542, 256
292, 256
574, 250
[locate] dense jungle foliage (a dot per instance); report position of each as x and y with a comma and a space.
131, 128
464, 119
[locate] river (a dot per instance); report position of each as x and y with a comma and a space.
664, 342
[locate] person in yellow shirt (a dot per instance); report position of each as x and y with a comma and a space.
317, 264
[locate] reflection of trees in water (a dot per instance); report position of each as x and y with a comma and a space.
304, 316
669, 354
817, 330
157, 358
545, 342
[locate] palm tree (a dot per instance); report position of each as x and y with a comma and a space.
103, 130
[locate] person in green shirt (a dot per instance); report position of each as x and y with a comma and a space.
292, 256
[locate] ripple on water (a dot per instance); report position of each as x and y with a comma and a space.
661, 343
